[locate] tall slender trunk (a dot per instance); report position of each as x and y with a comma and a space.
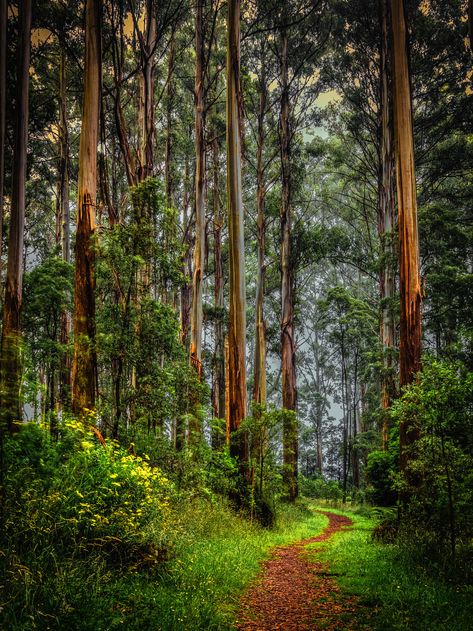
10, 357
168, 158
237, 325
63, 227
318, 408
146, 101
259, 386
218, 389
3, 89
386, 220
186, 289
288, 367
410, 289
199, 243
84, 360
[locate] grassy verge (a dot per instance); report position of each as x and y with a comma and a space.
395, 592
214, 557
217, 555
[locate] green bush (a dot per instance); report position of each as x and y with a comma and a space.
73, 511
438, 479
379, 474
319, 488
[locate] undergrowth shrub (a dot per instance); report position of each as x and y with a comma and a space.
75, 508
319, 488
437, 520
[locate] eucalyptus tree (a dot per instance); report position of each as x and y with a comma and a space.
84, 365
410, 289
236, 377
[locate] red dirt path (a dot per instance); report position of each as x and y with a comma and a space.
297, 594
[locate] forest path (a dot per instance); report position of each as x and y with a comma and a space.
296, 592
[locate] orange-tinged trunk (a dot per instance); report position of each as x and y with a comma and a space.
410, 287
84, 361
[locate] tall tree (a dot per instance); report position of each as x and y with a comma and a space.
63, 220
288, 346
386, 219
259, 386
199, 243
410, 288
218, 386
84, 360
10, 356
148, 43
236, 404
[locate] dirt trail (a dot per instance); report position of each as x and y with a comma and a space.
295, 593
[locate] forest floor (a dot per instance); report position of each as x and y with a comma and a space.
296, 591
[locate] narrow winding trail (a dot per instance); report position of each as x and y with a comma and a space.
295, 593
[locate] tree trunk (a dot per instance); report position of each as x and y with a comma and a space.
199, 243
3, 88
168, 159
237, 325
186, 289
146, 102
84, 361
10, 372
410, 289
63, 226
386, 223
218, 389
259, 386
288, 367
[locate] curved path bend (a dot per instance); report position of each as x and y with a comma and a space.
294, 593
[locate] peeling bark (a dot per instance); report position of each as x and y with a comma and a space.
410, 287
84, 361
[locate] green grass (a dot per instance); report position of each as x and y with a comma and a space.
216, 554
394, 591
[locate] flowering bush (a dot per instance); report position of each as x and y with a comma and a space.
78, 493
